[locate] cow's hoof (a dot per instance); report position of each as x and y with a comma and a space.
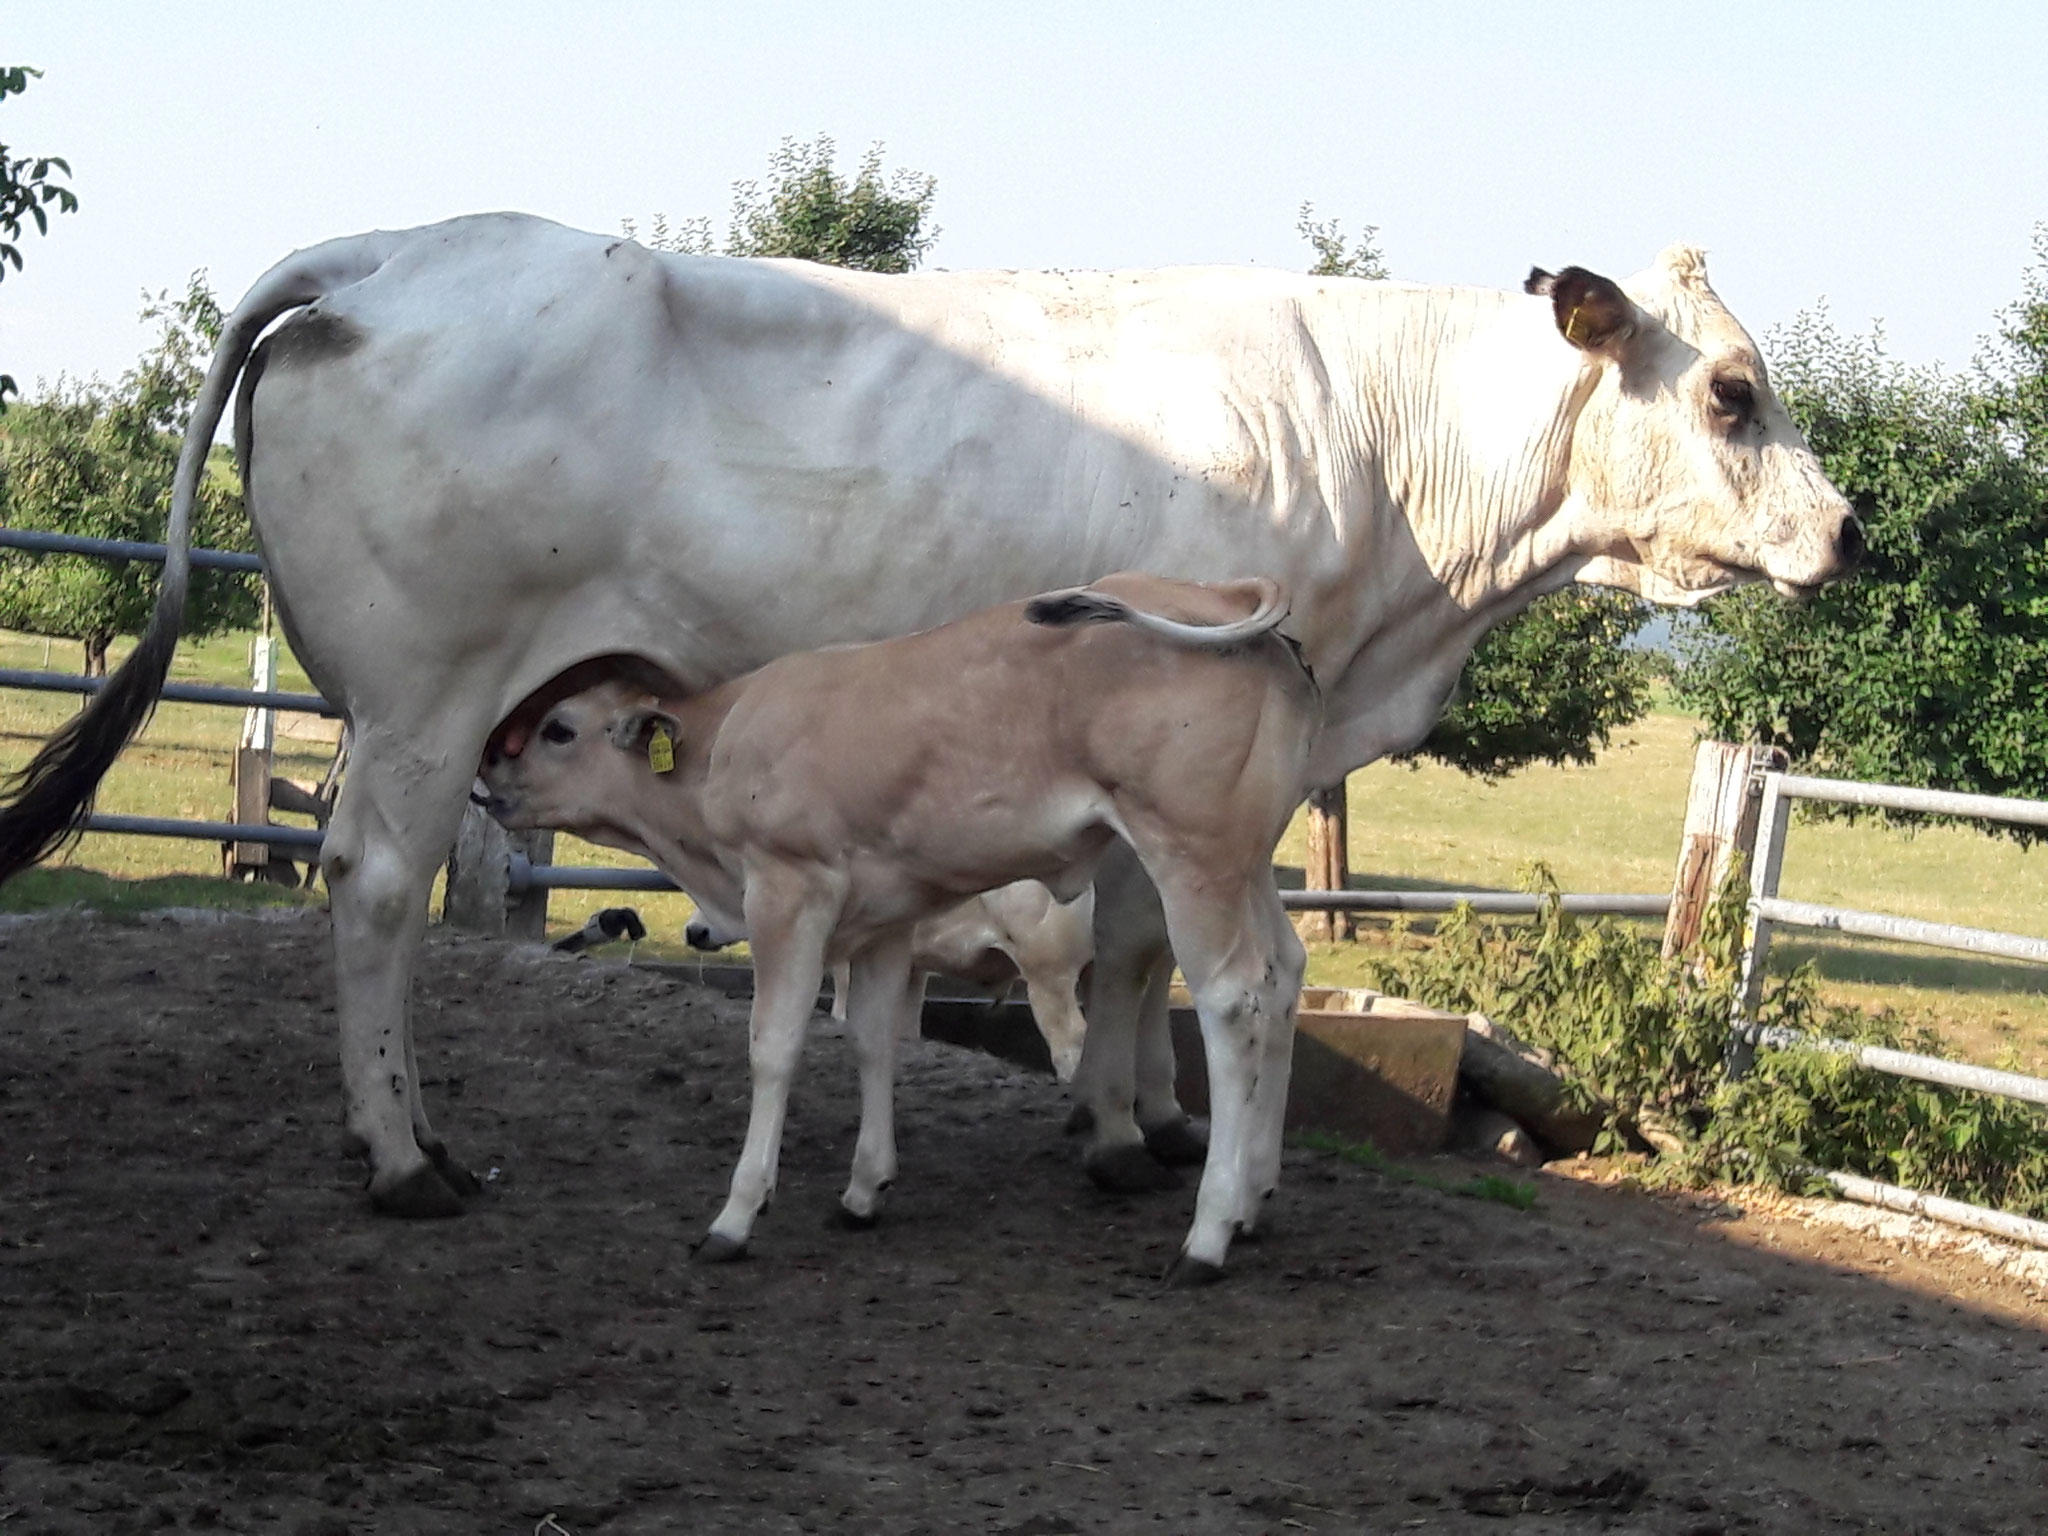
457, 1177
1080, 1121
717, 1248
1188, 1273
420, 1195
849, 1220
1181, 1143
1129, 1170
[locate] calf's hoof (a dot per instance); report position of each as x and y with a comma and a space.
453, 1174
1188, 1273
1129, 1170
422, 1194
850, 1220
1181, 1143
1080, 1121
717, 1248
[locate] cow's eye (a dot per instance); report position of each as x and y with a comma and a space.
557, 733
1734, 398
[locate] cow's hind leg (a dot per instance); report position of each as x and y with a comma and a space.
882, 988
396, 819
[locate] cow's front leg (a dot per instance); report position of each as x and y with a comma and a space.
1123, 1087
397, 817
882, 988
788, 935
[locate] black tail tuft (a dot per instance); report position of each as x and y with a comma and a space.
1062, 608
50, 798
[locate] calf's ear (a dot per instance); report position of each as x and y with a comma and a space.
1592, 312
633, 730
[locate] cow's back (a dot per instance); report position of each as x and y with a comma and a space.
527, 443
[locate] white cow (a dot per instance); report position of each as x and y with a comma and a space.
1018, 932
481, 452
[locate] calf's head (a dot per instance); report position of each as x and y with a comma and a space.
1686, 474
583, 766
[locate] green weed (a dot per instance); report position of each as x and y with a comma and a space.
1485, 1186
1640, 1035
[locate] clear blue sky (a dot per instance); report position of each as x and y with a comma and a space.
1892, 158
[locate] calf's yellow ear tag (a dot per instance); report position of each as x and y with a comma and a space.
661, 751
1574, 332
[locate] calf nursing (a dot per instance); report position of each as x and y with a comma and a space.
832, 799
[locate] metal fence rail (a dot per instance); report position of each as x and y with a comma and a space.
39, 542
1767, 908
176, 693
528, 876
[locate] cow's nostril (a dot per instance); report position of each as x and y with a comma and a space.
1850, 543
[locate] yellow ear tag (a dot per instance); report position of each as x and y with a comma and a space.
1571, 327
661, 751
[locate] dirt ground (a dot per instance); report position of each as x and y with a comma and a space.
204, 1327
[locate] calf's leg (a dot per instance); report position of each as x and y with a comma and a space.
881, 990
1244, 990
788, 935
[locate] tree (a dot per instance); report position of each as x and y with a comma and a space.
1335, 255
99, 461
1549, 686
806, 209
1930, 668
27, 191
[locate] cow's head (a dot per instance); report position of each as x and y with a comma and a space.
1686, 474
585, 762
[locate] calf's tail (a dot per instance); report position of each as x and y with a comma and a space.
45, 805
1090, 605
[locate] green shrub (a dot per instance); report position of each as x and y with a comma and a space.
1639, 1035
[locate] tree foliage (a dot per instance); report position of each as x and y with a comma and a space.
876, 222
1931, 667
98, 461
1551, 685
28, 190
1336, 256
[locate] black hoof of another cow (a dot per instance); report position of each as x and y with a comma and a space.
1179, 1143
719, 1249
1129, 1170
1187, 1274
457, 1177
1080, 1121
853, 1221
421, 1195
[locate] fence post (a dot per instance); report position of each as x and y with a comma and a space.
479, 897
1774, 813
1720, 824
1329, 861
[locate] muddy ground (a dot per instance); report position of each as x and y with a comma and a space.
204, 1328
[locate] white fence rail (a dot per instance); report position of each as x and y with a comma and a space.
1767, 909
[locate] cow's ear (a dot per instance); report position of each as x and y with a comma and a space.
634, 730
1592, 312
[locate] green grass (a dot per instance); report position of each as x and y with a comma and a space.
1484, 1186
1612, 826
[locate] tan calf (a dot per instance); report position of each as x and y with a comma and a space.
830, 800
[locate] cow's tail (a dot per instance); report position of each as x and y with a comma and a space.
45, 805
1091, 605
